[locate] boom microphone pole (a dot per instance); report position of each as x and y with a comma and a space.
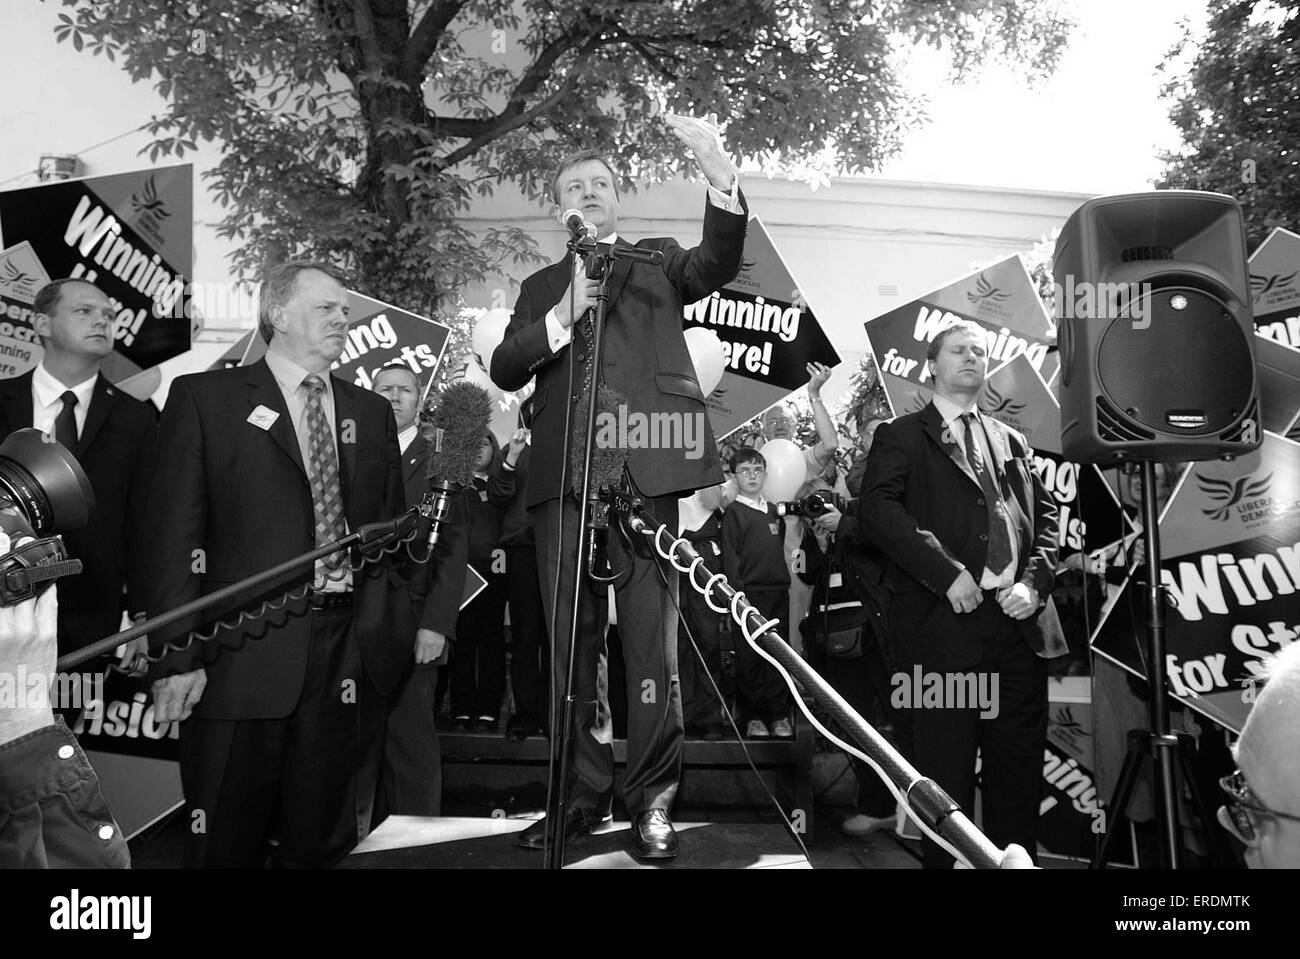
368, 536
930, 805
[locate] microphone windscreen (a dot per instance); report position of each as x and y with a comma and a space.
457, 425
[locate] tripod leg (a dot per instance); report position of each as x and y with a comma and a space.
1213, 836
1117, 809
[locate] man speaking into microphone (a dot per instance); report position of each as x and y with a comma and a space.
647, 364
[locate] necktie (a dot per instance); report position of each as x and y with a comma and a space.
999, 554
323, 471
582, 345
65, 424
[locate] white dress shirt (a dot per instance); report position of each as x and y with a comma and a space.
47, 400
952, 419
407, 436
289, 376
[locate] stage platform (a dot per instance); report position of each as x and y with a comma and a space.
453, 842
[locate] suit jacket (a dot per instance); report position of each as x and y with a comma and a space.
231, 498
116, 447
437, 587
923, 507
645, 355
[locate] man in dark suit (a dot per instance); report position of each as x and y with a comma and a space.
411, 781
113, 437
969, 533
646, 361
258, 465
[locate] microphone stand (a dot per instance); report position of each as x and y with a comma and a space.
370, 535
600, 261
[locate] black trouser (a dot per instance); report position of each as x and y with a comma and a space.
478, 657
647, 620
411, 781
945, 741
761, 690
530, 651
700, 704
318, 766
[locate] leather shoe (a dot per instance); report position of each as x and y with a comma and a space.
577, 822
653, 836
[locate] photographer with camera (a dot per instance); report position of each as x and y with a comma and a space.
840, 635
52, 812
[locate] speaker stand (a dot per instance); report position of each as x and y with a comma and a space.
1157, 743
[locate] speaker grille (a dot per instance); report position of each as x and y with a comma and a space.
1182, 369
1113, 427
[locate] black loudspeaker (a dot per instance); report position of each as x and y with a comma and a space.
1155, 329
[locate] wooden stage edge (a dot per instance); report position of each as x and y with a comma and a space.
453, 842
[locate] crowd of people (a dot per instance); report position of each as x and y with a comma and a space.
305, 725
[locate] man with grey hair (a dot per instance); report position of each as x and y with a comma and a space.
284, 713
1263, 795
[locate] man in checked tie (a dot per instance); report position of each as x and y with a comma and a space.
283, 715
970, 538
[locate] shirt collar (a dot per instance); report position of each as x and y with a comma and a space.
48, 389
290, 375
759, 504
407, 436
951, 411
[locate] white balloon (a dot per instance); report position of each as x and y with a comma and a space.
706, 353
489, 331
479, 378
786, 470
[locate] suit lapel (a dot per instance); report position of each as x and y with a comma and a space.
264, 391
346, 435
17, 402
101, 401
413, 457
618, 275
934, 428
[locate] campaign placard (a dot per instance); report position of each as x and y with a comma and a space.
1230, 559
129, 234
1000, 298
769, 334
1275, 287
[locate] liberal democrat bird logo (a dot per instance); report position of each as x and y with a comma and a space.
986, 292
1260, 285
146, 202
15, 275
995, 404
1228, 493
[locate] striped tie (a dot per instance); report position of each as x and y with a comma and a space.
323, 470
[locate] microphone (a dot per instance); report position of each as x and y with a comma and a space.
460, 421
577, 224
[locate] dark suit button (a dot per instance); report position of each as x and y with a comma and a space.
575, 397
980, 501
580, 357
984, 537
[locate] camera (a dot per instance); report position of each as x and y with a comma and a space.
43, 492
812, 505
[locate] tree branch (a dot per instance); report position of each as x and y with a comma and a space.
499, 129
425, 37
366, 37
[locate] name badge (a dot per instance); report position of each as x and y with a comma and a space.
482, 496
263, 417
837, 579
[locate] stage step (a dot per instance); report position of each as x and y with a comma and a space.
450, 842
